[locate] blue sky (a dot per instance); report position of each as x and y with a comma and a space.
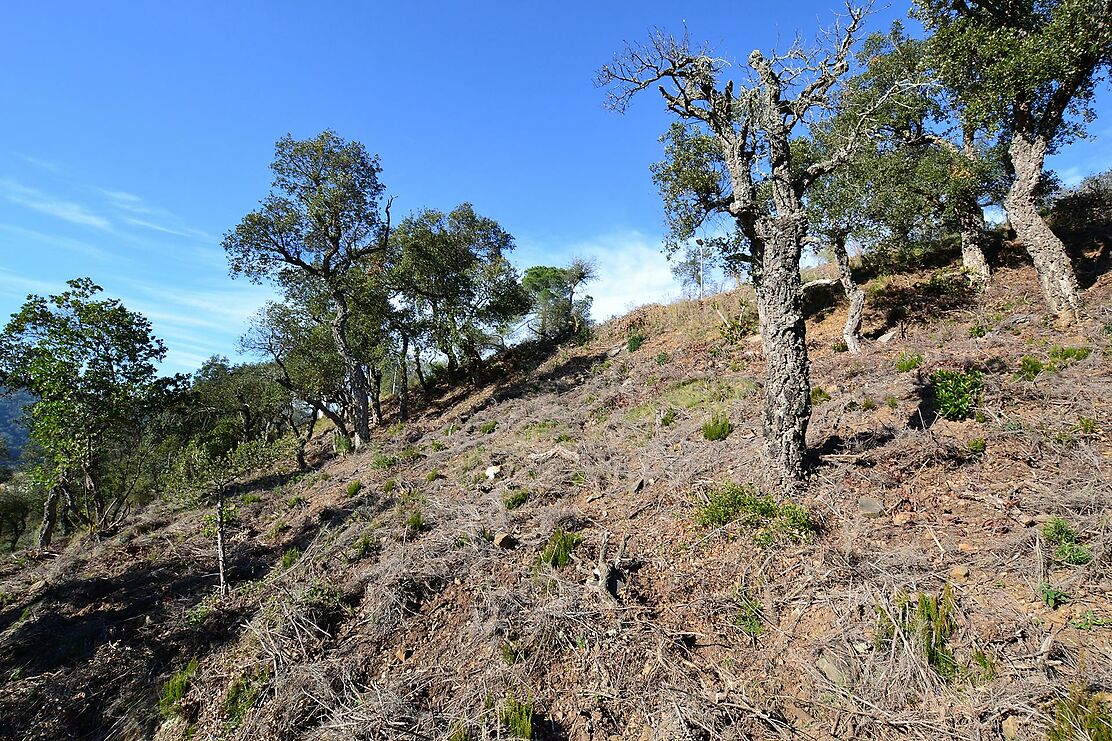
136, 134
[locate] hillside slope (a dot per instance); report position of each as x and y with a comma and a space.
432, 599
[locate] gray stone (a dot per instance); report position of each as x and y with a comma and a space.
504, 540
833, 668
870, 507
637, 486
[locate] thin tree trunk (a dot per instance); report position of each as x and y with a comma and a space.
220, 540
49, 517
356, 375
403, 396
420, 371
851, 333
376, 395
784, 337
1056, 276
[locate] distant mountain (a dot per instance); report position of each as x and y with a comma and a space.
11, 425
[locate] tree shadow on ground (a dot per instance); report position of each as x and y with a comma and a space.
857, 444
923, 301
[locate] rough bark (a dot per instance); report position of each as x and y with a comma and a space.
49, 517
971, 222
851, 332
376, 395
356, 376
1056, 276
784, 338
420, 371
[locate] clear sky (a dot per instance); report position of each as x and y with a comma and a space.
134, 135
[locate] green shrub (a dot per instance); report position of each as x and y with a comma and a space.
662, 358
515, 498
1052, 596
1073, 554
250, 499
770, 521
908, 362
176, 687
289, 558
717, 428
414, 522
1029, 368
978, 330
977, 445
296, 501
1087, 426
840, 347
928, 622
557, 552
892, 401
365, 545
438, 446
668, 417
353, 487
1081, 715
633, 344
819, 396
517, 717
241, 696
868, 404
389, 485
488, 427
1057, 530
956, 393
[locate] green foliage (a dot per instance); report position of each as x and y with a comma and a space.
389, 485
928, 622
1057, 530
556, 311
668, 417
717, 428
1089, 620
1029, 368
956, 393
517, 717
662, 358
1073, 554
1051, 596
1063, 357
1081, 715
769, 520
354, 487
819, 395
515, 498
908, 362
100, 413
175, 689
432, 476
290, 557
241, 697
414, 522
488, 427
978, 330
977, 445
840, 347
1087, 426
557, 552
892, 402
1068, 550
383, 461
342, 443
460, 733
633, 344
986, 670
748, 615
735, 331
365, 545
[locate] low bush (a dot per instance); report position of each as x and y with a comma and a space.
717, 428
956, 393
176, 687
557, 553
771, 521
635, 341
908, 362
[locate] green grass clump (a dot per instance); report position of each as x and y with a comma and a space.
409, 455
250, 499
892, 402
414, 522
697, 391
1063, 357
365, 545
717, 428
1081, 715
241, 696
840, 347
668, 417
928, 621
432, 476
977, 445
729, 502
1064, 537
557, 553
354, 487
437, 446
956, 393
908, 362
389, 485
295, 501
382, 461
819, 395
748, 615
342, 444
662, 358
978, 330
460, 733
488, 427
169, 700
289, 558
517, 717
633, 344
515, 498
1029, 368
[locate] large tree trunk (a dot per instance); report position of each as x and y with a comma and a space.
971, 222
1056, 276
420, 371
851, 333
784, 337
356, 375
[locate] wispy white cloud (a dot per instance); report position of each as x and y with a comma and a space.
54, 240
135, 211
17, 286
37, 200
38, 162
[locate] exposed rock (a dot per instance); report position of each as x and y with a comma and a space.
1009, 727
492, 472
959, 573
503, 539
885, 338
833, 668
637, 486
870, 507
902, 518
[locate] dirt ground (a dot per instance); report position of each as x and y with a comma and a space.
424, 602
